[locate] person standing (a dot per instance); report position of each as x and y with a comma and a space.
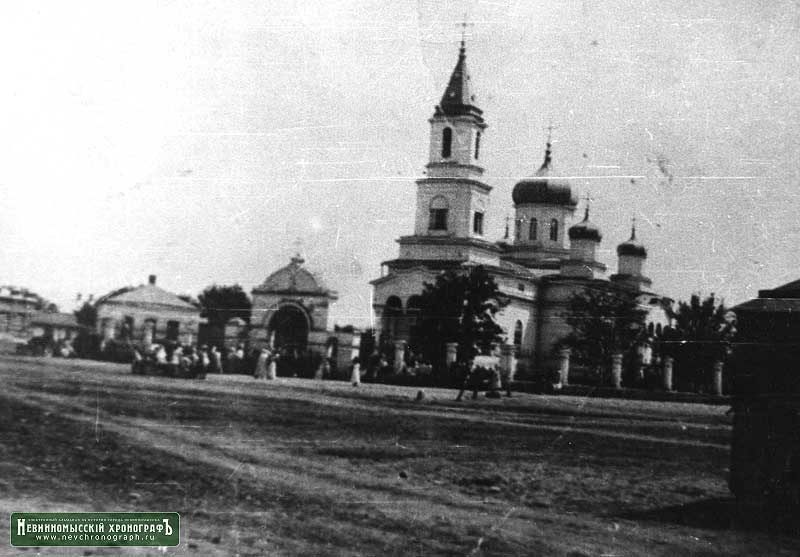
272, 369
262, 363
214, 361
355, 374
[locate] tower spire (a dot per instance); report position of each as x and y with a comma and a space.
633, 227
588, 203
548, 151
458, 99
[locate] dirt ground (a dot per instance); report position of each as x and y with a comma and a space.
300, 467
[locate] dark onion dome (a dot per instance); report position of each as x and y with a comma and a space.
585, 230
632, 246
543, 188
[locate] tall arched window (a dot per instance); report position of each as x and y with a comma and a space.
477, 145
447, 142
517, 229
438, 214
554, 230
532, 229
392, 313
477, 223
518, 335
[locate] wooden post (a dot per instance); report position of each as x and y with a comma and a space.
667, 372
564, 356
616, 371
718, 377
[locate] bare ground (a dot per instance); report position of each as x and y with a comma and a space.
298, 467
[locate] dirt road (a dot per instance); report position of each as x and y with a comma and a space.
298, 467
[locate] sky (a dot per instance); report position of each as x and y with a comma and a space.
206, 142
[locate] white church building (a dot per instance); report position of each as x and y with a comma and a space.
548, 258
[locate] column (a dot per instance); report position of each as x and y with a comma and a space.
616, 371
563, 366
507, 360
399, 355
667, 372
718, 377
452, 353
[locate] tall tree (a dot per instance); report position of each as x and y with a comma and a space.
221, 303
604, 322
86, 315
460, 307
702, 332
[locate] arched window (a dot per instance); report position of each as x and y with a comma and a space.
554, 230
650, 328
392, 313
477, 223
447, 142
413, 310
532, 229
438, 214
477, 145
518, 335
658, 330
517, 229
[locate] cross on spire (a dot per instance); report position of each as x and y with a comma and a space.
550, 127
464, 24
633, 227
589, 200
298, 250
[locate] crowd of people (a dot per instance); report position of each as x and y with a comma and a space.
192, 361
177, 360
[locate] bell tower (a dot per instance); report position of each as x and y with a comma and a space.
452, 200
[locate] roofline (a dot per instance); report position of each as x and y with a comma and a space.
330, 294
436, 180
114, 302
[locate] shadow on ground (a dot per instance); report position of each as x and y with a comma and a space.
725, 514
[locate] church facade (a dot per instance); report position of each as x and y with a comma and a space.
547, 258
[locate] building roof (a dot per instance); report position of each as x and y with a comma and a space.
784, 298
544, 187
585, 230
294, 277
788, 290
146, 294
55, 319
458, 99
633, 246
769, 305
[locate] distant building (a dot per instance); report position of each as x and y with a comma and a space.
145, 314
291, 313
25, 315
545, 258
54, 325
17, 307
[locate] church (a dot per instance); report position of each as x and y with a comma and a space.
548, 257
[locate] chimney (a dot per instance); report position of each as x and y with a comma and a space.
151, 279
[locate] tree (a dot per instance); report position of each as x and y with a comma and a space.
460, 307
221, 303
701, 335
604, 322
86, 315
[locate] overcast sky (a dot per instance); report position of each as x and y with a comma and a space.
199, 141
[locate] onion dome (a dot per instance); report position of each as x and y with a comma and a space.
585, 230
632, 246
543, 188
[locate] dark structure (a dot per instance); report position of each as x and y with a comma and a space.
765, 456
